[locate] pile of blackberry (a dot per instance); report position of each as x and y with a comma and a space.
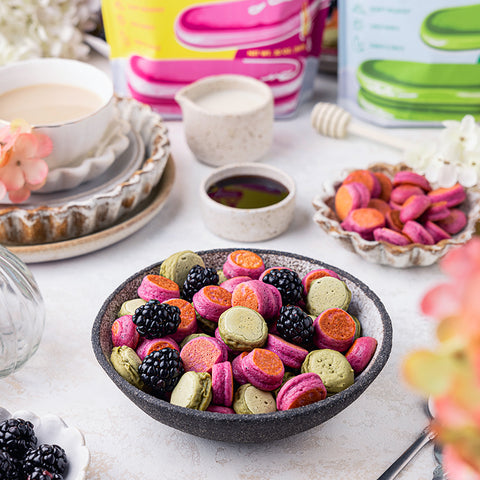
22, 459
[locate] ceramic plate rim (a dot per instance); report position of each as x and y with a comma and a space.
89, 243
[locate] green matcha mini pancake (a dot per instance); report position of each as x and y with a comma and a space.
177, 266
129, 307
455, 28
242, 329
126, 362
193, 390
333, 368
325, 293
251, 400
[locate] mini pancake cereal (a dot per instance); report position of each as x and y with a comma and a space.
388, 213
251, 342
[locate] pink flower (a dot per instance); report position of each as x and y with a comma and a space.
22, 168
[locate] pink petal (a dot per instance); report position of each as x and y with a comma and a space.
25, 146
35, 170
12, 176
455, 467
462, 261
20, 195
441, 301
44, 146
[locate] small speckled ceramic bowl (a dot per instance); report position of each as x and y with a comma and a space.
412, 255
365, 305
248, 224
227, 119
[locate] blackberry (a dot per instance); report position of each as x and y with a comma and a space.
288, 284
294, 325
161, 370
8, 469
42, 474
197, 278
155, 319
16, 437
51, 458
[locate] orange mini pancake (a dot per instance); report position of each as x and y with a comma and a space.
334, 329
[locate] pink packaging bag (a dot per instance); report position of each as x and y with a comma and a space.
159, 47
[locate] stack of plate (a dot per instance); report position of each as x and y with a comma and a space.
104, 207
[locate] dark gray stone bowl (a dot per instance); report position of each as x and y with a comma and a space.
365, 305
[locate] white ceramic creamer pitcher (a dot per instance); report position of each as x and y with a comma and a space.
227, 119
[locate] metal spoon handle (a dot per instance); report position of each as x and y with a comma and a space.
397, 466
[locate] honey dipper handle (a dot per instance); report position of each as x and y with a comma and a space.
333, 121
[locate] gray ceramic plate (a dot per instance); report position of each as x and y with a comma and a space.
365, 305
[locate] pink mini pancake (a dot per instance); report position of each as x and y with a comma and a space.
124, 332
156, 287
237, 368
390, 236
360, 353
436, 232
417, 234
258, 296
454, 223
414, 207
392, 219
334, 329
437, 211
314, 275
301, 390
201, 353
243, 263
411, 178
395, 206
211, 301
364, 221
380, 205
220, 409
349, 197
188, 319
367, 178
401, 193
231, 283
263, 369
222, 384
277, 297
291, 355
453, 196
146, 346
385, 185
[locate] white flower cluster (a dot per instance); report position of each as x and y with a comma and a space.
454, 157
45, 28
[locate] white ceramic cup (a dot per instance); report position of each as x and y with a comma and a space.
75, 139
236, 130
248, 224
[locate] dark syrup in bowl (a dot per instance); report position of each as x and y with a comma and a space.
247, 191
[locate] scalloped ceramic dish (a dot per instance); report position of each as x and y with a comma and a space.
365, 305
383, 252
51, 429
73, 175
62, 219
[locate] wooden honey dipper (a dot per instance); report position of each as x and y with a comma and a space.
333, 121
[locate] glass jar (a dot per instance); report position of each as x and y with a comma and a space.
22, 313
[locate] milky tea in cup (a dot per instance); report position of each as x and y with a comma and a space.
70, 101
48, 104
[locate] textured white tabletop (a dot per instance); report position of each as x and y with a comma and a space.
64, 378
